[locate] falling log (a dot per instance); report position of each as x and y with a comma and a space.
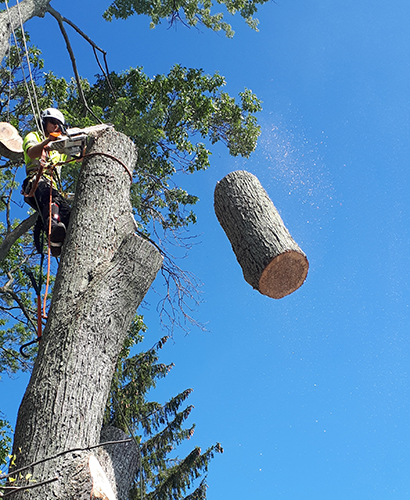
271, 260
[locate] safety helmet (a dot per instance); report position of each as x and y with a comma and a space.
52, 113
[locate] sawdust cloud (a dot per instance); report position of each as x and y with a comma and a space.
291, 166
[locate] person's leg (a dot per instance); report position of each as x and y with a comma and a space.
58, 227
64, 207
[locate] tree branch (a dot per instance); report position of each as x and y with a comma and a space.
18, 14
60, 20
14, 489
57, 455
12, 237
95, 47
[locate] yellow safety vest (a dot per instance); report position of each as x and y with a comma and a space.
52, 157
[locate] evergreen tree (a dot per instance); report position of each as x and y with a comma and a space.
157, 427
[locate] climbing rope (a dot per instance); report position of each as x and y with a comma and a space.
100, 153
49, 246
37, 288
41, 308
35, 108
9, 85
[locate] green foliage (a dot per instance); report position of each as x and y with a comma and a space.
189, 12
171, 118
157, 427
5, 441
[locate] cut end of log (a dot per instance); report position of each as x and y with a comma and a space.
284, 274
10, 138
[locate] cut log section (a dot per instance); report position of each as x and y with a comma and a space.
271, 260
11, 144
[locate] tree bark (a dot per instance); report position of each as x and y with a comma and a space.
104, 273
271, 260
20, 13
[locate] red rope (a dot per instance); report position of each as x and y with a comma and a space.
39, 323
31, 193
49, 246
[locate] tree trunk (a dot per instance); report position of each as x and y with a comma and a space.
271, 260
20, 13
104, 273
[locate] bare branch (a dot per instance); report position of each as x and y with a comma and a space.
14, 489
57, 15
60, 20
57, 455
95, 47
12, 237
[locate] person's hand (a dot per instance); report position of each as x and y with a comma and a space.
53, 136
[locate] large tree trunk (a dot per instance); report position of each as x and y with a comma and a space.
20, 13
271, 260
104, 273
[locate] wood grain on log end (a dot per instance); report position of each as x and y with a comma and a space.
284, 274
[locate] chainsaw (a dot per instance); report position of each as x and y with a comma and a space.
74, 140
72, 143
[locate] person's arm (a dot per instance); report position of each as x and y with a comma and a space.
37, 150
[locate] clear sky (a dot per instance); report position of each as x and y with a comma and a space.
309, 395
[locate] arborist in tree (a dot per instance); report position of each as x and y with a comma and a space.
40, 188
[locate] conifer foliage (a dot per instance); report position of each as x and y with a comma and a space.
158, 428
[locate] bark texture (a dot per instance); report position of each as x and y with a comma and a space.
104, 273
271, 260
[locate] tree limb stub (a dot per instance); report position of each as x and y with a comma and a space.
271, 260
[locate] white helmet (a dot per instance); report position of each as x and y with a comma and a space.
53, 113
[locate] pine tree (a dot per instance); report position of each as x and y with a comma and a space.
158, 428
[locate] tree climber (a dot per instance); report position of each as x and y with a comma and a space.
43, 167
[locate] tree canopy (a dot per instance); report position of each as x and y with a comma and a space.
191, 13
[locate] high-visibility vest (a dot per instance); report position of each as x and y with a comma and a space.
52, 157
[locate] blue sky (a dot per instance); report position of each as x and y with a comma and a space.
309, 395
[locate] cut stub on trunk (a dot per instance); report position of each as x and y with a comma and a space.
271, 260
